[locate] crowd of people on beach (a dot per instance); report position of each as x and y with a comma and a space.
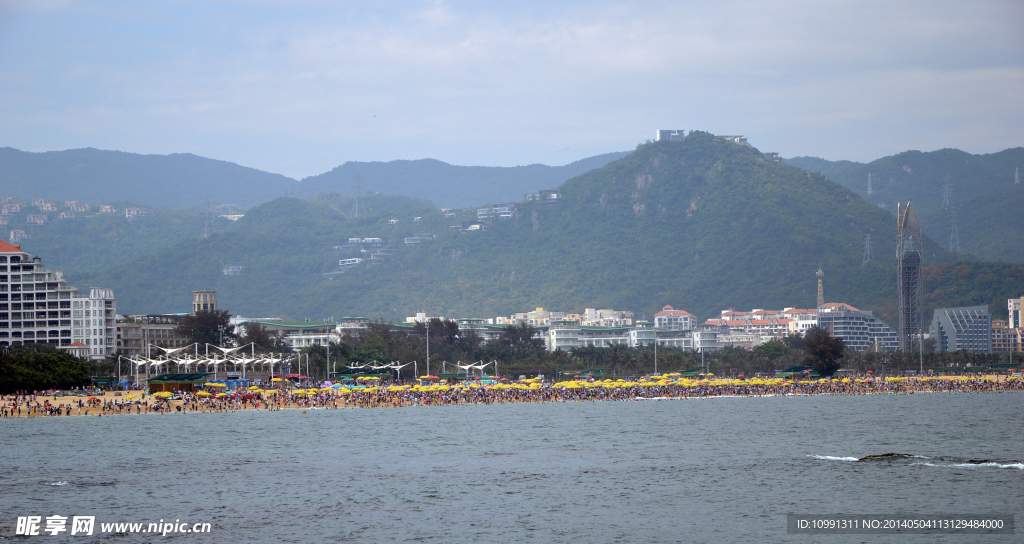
436, 393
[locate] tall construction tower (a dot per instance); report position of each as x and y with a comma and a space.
909, 289
868, 256
947, 195
821, 294
869, 183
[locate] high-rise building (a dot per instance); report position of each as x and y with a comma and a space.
909, 288
672, 135
962, 329
1013, 309
38, 306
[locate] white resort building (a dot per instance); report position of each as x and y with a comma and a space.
38, 306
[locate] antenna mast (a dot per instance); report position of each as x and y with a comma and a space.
868, 256
355, 201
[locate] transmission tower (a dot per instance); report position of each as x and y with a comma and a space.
868, 257
355, 200
947, 195
954, 237
869, 183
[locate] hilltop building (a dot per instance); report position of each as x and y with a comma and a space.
670, 135
38, 306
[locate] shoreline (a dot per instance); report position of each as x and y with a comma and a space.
135, 402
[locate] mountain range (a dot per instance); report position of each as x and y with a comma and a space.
184, 180
703, 224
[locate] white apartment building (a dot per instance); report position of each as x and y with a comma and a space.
38, 306
674, 320
593, 317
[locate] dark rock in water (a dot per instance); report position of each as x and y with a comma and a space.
978, 461
886, 456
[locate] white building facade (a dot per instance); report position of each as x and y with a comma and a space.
38, 306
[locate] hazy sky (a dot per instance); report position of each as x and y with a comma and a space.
299, 87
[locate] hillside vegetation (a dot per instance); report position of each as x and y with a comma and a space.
982, 193
703, 224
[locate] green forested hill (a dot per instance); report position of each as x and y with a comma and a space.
702, 224
983, 194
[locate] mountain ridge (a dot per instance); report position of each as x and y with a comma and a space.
702, 224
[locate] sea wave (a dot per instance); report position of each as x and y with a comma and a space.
833, 458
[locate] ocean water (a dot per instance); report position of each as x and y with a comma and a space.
702, 470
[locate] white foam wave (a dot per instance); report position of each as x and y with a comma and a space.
60, 483
1018, 466
831, 458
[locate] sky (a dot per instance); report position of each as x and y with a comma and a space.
299, 87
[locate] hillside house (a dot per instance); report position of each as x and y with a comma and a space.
18, 235
79, 207
233, 269
132, 213
392, 221
419, 238
106, 208
4, 220
66, 215
69, 203
11, 208
36, 219
47, 207
37, 202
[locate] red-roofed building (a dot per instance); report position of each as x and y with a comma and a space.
672, 319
